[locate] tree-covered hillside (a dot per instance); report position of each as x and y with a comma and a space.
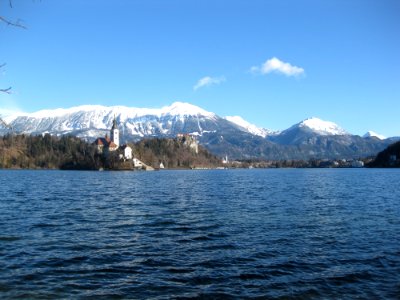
173, 154
47, 152
388, 158
68, 152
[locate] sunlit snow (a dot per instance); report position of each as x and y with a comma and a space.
251, 128
374, 134
322, 127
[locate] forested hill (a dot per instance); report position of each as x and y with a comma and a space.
46, 152
68, 152
173, 154
388, 158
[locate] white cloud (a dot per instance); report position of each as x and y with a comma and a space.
277, 66
207, 81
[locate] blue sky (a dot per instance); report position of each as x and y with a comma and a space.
274, 63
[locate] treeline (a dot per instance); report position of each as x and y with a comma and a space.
68, 152
388, 158
256, 163
311, 163
46, 152
173, 154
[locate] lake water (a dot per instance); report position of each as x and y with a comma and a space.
285, 233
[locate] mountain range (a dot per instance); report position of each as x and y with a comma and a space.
232, 136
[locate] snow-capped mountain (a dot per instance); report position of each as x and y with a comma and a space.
90, 121
232, 136
250, 128
321, 127
374, 134
309, 131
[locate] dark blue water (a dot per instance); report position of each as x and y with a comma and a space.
301, 234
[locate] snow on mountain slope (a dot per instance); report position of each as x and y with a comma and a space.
231, 136
175, 109
91, 120
248, 127
322, 127
374, 134
185, 109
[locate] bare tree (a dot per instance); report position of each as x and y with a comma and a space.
16, 23
7, 90
12, 23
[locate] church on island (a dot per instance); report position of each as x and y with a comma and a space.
111, 144
107, 144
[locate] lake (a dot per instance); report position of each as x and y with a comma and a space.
274, 233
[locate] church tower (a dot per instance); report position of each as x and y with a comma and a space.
114, 134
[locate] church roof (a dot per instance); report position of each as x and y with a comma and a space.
106, 141
103, 141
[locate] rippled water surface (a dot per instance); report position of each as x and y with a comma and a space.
210, 234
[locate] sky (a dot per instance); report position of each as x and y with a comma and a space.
274, 63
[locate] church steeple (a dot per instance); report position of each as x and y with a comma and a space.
114, 126
114, 133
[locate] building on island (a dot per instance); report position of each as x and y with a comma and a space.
114, 133
126, 152
105, 145
109, 144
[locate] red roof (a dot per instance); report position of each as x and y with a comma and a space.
105, 142
100, 141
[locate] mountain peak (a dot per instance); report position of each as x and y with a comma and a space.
233, 136
251, 128
175, 109
89, 121
322, 127
185, 109
374, 134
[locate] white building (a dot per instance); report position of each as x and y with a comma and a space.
126, 152
106, 144
114, 134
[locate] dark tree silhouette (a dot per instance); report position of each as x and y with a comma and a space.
16, 23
